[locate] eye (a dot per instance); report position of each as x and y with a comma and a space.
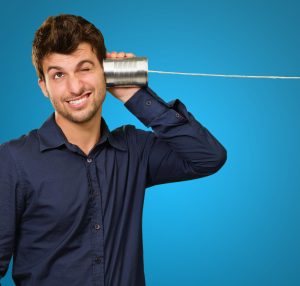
58, 75
85, 69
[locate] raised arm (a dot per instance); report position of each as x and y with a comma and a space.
181, 148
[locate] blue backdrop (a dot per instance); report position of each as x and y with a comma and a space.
240, 226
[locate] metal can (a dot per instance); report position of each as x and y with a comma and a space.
126, 71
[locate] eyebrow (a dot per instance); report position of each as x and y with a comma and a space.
78, 65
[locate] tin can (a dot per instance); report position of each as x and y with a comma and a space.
126, 72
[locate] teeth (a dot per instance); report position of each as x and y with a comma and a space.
78, 101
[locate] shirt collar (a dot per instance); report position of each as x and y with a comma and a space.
51, 136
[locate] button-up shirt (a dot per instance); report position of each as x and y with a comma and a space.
74, 219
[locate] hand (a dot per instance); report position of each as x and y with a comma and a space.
122, 93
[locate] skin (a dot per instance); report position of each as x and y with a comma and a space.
79, 76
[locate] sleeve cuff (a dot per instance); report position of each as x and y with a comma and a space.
146, 105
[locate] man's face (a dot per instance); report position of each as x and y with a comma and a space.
74, 83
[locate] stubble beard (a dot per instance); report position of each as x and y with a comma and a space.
79, 117
82, 118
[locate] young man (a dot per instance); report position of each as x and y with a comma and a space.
72, 192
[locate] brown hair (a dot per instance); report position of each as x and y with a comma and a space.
62, 34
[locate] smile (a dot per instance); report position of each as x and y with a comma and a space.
79, 102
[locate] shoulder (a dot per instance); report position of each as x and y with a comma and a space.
130, 132
18, 146
134, 138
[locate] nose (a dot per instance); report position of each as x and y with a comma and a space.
75, 85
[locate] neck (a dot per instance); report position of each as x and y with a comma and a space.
84, 135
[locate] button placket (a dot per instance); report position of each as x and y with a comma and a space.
97, 235
94, 194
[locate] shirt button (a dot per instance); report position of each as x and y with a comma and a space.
148, 102
177, 115
89, 160
97, 226
98, 259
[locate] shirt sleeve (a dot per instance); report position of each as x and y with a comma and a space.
181, 149
8, 188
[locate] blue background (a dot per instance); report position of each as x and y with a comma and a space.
240, 226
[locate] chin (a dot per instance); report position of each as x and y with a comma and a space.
84, 118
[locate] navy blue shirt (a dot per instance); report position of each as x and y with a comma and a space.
72, 219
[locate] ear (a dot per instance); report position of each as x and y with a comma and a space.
43, 87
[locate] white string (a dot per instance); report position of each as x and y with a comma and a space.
227, 75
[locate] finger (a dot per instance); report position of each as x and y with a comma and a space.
113, 54
130, 55
121, 55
